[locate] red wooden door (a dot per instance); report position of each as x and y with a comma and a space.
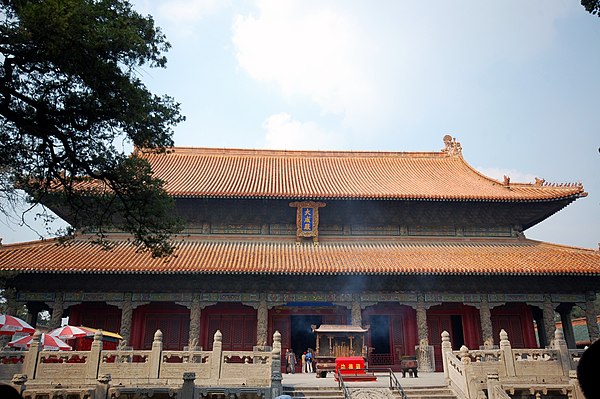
512, 325
436, 324
174, 327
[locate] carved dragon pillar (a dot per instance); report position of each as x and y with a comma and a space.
195, 317
356, 311
549, 326
590, 316
126, 319
57, 310
486, 322
262, 320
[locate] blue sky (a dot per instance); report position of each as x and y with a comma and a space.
516, 82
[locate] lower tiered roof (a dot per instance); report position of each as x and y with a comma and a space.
367, 257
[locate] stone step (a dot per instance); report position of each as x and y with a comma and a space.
428, 393
313, 392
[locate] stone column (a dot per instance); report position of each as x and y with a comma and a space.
537, 314
10, 294
422, 332
356, 311
57, 310
590, 316
564, 309
549, 325
126, 320
424, 353
486, 322
195, 316
262, 321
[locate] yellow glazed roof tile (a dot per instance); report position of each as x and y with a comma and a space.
234, 173
510, 257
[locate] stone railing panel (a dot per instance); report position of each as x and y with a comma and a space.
175, 363
62, 366
251, 368
537, 363
125, 365
11, 363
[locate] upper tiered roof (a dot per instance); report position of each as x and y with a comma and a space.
271, 174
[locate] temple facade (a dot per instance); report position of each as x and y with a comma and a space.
409, 244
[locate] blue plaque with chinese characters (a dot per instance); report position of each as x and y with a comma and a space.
307, 219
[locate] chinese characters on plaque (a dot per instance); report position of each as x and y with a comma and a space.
307, 220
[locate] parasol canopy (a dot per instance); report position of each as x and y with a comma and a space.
10, 325
70, 332
49, 343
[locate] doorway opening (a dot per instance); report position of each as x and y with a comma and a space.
458, 337
302, 336
379, 351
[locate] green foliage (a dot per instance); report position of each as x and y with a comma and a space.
70, 92
592, 6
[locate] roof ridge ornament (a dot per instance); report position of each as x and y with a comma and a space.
452, 147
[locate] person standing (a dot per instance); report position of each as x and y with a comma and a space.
304, 362
292, 362
309, 360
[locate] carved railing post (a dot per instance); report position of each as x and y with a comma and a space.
156, 355
93, 360
187, 389
563, 350
102, 385
18, 382
492, 381
217, 356
276, 388
509, 359
574, 380
446, 347
31, 357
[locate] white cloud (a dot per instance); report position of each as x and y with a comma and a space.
316, 52
515, 175
180, 17
397, 63
285, 133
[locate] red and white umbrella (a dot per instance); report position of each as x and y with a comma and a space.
70, 332
10, 325
48, 342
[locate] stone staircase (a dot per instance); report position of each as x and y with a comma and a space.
305, 392
427, 393
313, 392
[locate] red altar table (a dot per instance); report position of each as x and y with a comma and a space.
352, 368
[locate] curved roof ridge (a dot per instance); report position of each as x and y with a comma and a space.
189, 150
